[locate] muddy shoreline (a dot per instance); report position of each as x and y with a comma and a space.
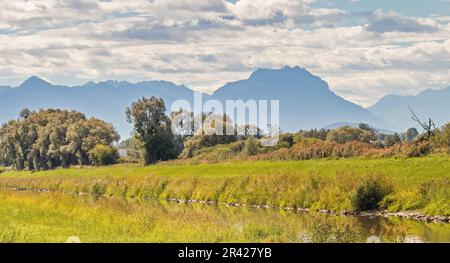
413, 215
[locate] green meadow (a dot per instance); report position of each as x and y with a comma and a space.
395, 184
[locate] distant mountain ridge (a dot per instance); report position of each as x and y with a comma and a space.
433, 104
305, 100
4, 89
105, 100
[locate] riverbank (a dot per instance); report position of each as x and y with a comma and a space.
397, 185
57, 217
413, 215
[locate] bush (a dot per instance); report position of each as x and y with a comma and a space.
348, 134
251, 147
133, 148
103, 155
371, 192
417, 149
441, 139
220, 152
390, 140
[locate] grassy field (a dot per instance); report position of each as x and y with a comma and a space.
421, 184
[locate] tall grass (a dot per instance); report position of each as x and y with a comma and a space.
54, 217
395, 184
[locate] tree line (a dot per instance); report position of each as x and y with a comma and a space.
47, 139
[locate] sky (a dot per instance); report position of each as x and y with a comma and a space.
364, 49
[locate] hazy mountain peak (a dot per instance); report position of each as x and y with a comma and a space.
305, 100
429, 103
35, 82
4, 89
280, 72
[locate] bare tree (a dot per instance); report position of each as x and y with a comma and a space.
429, 127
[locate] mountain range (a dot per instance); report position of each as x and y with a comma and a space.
434, 104
306, 101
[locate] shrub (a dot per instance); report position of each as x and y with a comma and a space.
220, 152
371, 192
313, 134
348, 134
441, 139
103, 155
251, 147
133, 148
390, 140
417, 149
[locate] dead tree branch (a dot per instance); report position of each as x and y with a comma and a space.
429, 127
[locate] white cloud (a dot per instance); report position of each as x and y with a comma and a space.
264, 9
392, 22
207, 43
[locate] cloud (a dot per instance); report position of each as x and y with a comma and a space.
392, 22
206, 43
266, 9
266, 12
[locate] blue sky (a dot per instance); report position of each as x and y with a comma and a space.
405, 7
364, 49
417, 8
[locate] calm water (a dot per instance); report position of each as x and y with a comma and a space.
274, 225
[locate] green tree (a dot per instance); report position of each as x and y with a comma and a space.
391, 139
314, 133
251, 146
347, 134
153, 129
365, 127
46, 139
133, 149
207, 134
103, 155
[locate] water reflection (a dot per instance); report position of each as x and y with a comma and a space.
270, 225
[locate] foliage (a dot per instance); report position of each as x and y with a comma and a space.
251, 147
103, 155
220, 152
365, 127
47, 139
212, 132
411, 134
441, 139
298, 147
391, 139
348, 134
133, 149
153, 129
321, 134
371, 192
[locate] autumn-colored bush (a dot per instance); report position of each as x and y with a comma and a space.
317, 149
